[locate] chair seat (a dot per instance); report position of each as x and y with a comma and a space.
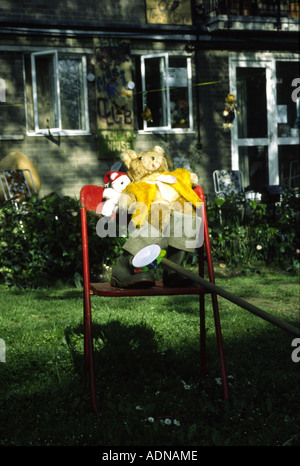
105, 289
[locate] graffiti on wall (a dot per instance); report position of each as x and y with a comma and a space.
168, 12
113, 142
114, 94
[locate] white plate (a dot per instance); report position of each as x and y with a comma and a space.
146, 255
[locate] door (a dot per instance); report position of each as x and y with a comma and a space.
264, 141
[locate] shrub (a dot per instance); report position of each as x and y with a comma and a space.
41, 242
246, 232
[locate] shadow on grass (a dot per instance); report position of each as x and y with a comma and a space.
131, 360
115, 344
47, 403
130, 350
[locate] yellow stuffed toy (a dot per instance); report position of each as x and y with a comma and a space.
152, 184
163, 208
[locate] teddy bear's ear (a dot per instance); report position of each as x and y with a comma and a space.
128, 156
159, 150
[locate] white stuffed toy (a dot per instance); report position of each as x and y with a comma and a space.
115, 183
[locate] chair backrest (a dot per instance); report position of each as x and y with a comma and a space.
228, 182
90, 196
14, 184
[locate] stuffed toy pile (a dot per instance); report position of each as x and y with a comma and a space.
163, 208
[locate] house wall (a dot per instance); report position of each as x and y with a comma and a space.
216, 143
66, 163
75, 12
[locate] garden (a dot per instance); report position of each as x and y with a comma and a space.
147, 351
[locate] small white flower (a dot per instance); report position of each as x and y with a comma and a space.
139, 408
177, 423
151, 419
185, 385
168, 422
258, 247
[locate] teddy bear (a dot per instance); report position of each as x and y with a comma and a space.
163, 208
115, 182
153, 185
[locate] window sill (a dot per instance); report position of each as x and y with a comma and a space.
167, 131
59, 133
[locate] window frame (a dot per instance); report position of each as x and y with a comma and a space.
56, 88
272, 141
167, 128
59, 130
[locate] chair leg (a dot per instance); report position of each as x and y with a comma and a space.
202, 336
86, 366
89, 351
220, 344
92, 381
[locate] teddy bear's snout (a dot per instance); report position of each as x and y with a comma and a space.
151, 164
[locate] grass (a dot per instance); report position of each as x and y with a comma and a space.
148, 365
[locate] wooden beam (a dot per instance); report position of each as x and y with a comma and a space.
231, 297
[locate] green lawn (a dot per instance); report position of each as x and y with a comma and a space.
147, 363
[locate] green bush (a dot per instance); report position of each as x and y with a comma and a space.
41, 243
247, 232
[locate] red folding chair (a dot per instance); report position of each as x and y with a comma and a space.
90, 197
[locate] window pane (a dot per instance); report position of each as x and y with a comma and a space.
156, 93
286, 107
253, 163
289, 166
71, 93
46, 91
252, 102
179, 95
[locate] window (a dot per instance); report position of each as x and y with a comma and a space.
56, 93
166, 93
